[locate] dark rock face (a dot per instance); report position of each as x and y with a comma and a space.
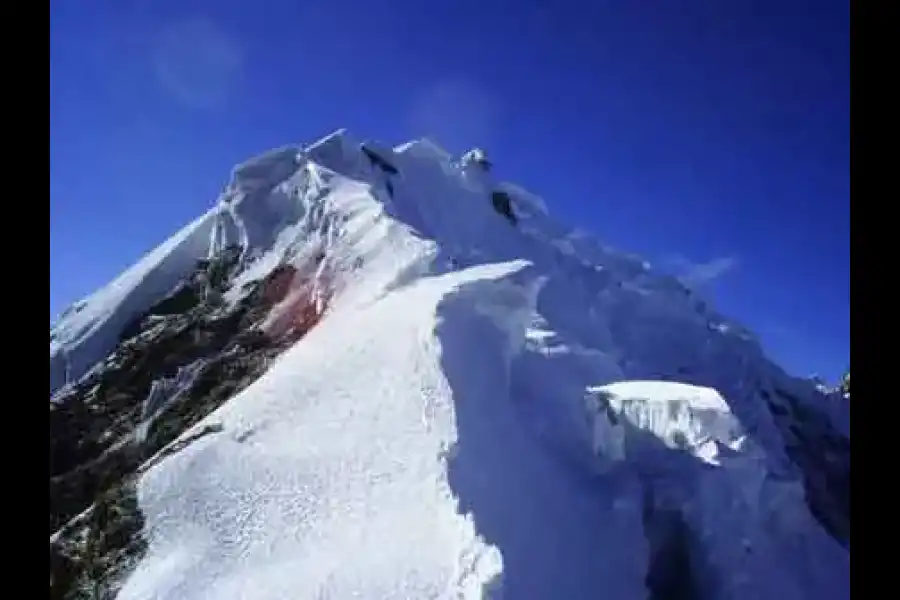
174, 365
502, 203
671, 570
92, 555
379, 161
823, 456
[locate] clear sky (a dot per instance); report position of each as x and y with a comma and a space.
710, 136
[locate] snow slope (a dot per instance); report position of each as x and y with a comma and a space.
486, 410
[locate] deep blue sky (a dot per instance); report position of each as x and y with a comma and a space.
695, 132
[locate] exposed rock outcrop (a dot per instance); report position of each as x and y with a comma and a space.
823, 457
174, 365
503, 205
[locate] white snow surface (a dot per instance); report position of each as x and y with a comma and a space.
479, 415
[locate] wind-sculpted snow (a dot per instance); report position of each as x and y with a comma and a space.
338, 487
486, 405
560, 532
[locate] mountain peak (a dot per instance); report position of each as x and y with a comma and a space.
379, 371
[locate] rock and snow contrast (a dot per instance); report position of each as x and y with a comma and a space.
370, 372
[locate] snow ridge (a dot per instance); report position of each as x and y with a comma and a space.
494, 404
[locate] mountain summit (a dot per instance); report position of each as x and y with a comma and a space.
374, 372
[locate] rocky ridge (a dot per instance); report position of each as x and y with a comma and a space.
175, 364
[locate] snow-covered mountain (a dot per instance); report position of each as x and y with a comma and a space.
374, 372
